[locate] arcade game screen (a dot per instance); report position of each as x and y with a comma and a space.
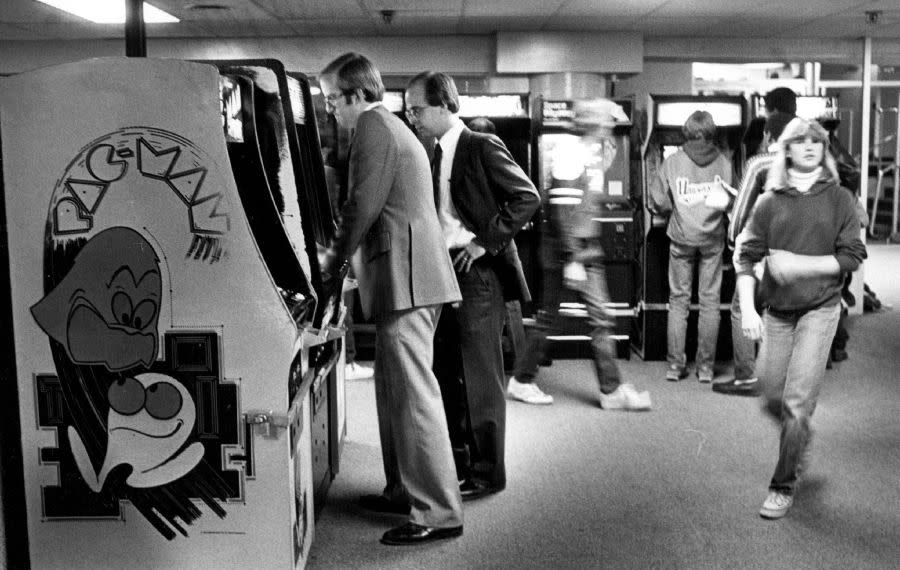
561, 154
675, 113
393, 100
230, 96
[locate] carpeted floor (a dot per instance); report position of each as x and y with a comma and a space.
678, 487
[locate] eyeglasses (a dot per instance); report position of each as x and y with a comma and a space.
330, 100
415, 112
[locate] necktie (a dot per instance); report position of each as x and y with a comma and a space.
436, 175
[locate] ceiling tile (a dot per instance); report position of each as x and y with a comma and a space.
22, 32
575, 23
406, 23
414, 5
593, 8
682, 26
75, 31
235, 9
512, 7
486, 25
317, 9
332, 27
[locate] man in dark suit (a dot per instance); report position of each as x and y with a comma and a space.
483, 200
405, 276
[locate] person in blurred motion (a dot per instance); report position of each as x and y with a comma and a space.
573, 255
405, 277
781, 105
524, 389
692, 189
806, 228
483, 199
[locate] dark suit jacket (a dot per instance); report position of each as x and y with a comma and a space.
402, 261
494, 199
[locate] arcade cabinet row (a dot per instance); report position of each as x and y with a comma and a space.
739, 135
634, 240
178, 397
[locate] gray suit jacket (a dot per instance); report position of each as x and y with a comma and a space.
402, 261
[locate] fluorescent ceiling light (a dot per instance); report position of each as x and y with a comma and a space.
109, 11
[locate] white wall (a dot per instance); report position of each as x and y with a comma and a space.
659, 77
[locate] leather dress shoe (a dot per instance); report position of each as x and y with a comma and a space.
735, 387
381, 504
412, 533
472, 489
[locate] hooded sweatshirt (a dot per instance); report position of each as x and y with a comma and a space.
685, 180
820, 221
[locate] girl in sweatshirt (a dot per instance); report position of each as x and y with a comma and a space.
806, 227
695, 229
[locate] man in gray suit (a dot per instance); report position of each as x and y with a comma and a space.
405, 275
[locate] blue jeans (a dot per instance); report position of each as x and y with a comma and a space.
744, 348
790, 368
681, 277
595, 296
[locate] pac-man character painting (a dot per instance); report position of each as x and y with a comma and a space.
145, 419
150, 419
105, 310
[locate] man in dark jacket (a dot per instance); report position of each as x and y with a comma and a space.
483, 199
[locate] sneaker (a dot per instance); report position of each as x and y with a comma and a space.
356, 371
528, 393
705, 374
626, 397
776, 505
737, 387
675, 373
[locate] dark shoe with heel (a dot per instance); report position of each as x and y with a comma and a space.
381, 504
412, 533
471, 489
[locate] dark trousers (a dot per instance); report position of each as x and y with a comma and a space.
593, 293
468, 363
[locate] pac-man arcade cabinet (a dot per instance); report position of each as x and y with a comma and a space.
561, 148
666, 115
163, 311
279, 150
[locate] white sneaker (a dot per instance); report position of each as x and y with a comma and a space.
626, 397
776, 505
356, 371
528, 393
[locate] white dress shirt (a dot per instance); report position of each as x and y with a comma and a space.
455, 234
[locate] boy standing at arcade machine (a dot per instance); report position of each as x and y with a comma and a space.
687, 181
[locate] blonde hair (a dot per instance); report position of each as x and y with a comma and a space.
800, 129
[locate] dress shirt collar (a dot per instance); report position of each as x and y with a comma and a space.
449, 139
